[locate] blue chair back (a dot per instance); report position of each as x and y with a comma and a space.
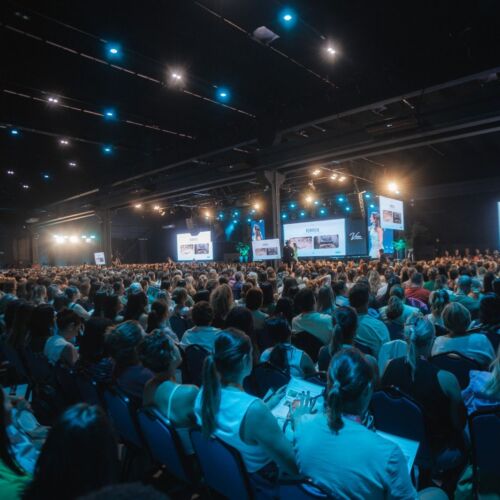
193, 359
221, 466
396, 413
395, 330
308, 343
163, 443
120, 412
88, 389
301, 489
266, 376
484, 426
457, 364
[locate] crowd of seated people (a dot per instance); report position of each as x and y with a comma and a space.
356, 327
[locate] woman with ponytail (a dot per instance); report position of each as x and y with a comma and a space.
158, 319
245, 422
283, 354
335, 448
437, 391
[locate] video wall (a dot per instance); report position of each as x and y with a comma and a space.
195, 246
266, 249
322, 238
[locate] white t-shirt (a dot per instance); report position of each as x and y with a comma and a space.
315, 323
54, 347
473, 345
294, 357
355, 464
372, 333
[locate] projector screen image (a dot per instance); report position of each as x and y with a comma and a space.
266, 249
195, 246
323, 238
392, 214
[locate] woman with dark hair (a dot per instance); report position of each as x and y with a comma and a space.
98, 302
73, 296
60, 347
335, 448
489, 278
13, 479
290, 287
130, 375
283, 354
158, 319
267, 297
284, 308
93, 359
438, 301
245, 422
135, 309
80, 455
346, 322
324, 304
18, 335
41, 327
174, 401
253, 302
112, 307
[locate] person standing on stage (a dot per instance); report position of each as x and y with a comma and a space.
376, 236
295, 257
288, 253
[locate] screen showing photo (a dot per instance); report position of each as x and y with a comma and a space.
266, 249
324, 238
392, 214
195, 246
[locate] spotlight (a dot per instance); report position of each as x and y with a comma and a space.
109, 114
10, 172
73, 239
322, 211
287, 18
309, 199
249, 220
83, 237
14, 131
293, 205
107, 150
221, 216
88, 240
157, 208
25, 186
223, 94
372, 205
92, 237
46, 176
113, 50
341, 199
64, 142
59, 239
331, 51
284, 216
347, 209
72, 164
138, 205
302, 213
333, 177
316, 202
162, 213
368, 196
53, 100
316, 171
256, 206
342, 178
208, 214
236, 213
176, 76
393, 187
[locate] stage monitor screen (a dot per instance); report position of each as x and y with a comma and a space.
99, 258
195, 246
322, 238
391, 214
266, 249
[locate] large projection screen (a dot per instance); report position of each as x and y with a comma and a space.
391, 214
323, 238
266, 249
195, 246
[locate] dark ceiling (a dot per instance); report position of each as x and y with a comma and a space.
58, 49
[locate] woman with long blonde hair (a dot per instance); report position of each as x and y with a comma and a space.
221, 301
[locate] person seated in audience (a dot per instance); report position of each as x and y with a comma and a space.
284, 308
488, 322
135, 310
463, 296
128, 373
335, 448
483, 390
112, 308
341, 293
174, 401
158, 319
237, 285
72, 296
283, 354
93, 360
245, 422
202, 333
371, 332
13, 478
416, 289
456, 319
221, 301
253, 302
397, 291
438, 300
61, 347
41, 327
317, 324
325, 301
437, 391
80, 455
244, 289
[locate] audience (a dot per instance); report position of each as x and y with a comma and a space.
60, 346
202, 333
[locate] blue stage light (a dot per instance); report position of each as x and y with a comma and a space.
368, 196
113, 51
316, 202
372, 205
107, 150
46, 176
14, 131
236, 213
223, 94
249, 220
347, 209
341, 199
109, 114
287, 17
284, 216
302, 214
293, 205
322, 211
